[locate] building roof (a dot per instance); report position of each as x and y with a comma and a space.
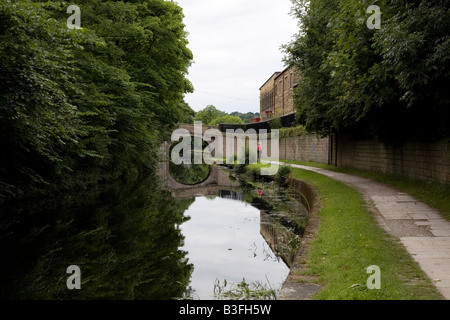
282, 72
276, 74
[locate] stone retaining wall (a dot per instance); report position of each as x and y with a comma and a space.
295, 288
415, 160
305, 148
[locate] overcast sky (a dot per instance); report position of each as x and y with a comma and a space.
236, 47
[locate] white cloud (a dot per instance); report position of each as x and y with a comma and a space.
236, 47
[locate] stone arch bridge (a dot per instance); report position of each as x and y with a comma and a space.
218, 178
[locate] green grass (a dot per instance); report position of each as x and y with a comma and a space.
434, 194
349, 240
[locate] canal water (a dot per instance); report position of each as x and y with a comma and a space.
138, 241
224, 243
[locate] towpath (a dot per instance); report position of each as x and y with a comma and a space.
421, 229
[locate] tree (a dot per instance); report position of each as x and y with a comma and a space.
82, 107
390, 84
228, 119
41, 128
208, 114
308, 51
246, 117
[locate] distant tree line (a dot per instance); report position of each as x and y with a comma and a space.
212, 116
390, 83
82, 107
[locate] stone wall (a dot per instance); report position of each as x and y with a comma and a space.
292, 288
305, 148
416, 160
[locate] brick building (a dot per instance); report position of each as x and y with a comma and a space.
276, 94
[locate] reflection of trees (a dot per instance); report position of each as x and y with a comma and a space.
189, 175
193, 173
126, 244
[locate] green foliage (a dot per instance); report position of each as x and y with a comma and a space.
246, 117
275, 123
282, 175
228, 119
292, 132
208, 115
212, 116
243, 291
391, 84
186, 113
80, 107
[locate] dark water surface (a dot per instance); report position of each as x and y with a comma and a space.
136, 241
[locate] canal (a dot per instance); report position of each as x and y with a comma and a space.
140, 241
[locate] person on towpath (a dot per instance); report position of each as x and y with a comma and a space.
259, 152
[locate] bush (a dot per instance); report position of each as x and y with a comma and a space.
275, 123
292, 132
240, 169
282, 175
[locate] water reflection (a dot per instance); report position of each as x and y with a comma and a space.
240, 234
190, 174
228, 194
126, 242
136, 241
224, 242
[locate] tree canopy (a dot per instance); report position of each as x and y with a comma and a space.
389, 83
208, 115
229, 119
246, 117
82, 106
212, 116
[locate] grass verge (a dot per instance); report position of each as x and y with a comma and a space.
349, 240
436, 195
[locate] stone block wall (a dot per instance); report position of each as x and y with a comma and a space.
305, 148
415, 160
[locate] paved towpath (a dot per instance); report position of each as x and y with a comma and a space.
422, 230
